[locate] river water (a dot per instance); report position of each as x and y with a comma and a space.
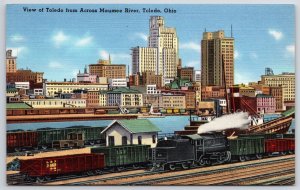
168, 124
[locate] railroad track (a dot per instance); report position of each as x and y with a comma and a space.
191, 177
153, 178
230, 177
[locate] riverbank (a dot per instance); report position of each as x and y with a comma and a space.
67, 117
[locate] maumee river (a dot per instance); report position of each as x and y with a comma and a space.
168, 124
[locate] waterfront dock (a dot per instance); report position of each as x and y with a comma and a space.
67, 117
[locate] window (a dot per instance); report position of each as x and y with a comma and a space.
111, 141
153, 138
139, 139
124, 140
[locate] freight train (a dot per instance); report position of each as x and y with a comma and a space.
76, 136
184, 152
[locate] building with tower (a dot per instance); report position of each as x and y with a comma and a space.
11, 62
161, 55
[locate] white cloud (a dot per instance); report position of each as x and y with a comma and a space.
277, 35
84, 41
60, 38
55, 65
191, 45
17, 38
17, 51
290, 49
253, 55
104, 54
141, 35
236, 54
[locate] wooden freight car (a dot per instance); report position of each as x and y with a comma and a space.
41, 169
17, 141
120, 156
243, 148
83, 135
282, 146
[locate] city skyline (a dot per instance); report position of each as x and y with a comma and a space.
264, 35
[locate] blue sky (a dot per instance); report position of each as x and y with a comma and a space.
60, 44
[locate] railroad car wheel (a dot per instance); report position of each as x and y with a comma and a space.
17, 149
135, 166
242, 158
283, 153
120, 169
47, 178
184, 166
172, 167
258, 156
44, 147
98, 172
90, 173
40, 179
247, 158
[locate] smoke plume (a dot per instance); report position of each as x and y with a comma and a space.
231, 121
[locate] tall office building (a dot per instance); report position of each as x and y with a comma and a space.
285, 80
213, 46
161, 55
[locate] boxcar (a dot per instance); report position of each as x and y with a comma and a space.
245, 147
62, 165
23, 139
128, 155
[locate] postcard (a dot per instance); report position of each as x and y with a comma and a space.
150, 94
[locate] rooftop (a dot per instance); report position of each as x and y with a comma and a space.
136, 126
124, 90
264, 96
17, 106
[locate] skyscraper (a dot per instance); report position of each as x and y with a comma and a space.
213, 46
161, 55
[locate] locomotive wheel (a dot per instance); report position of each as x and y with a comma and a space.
172, 167
207, 162
242, 158
258, 156
201, 162
247, 158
